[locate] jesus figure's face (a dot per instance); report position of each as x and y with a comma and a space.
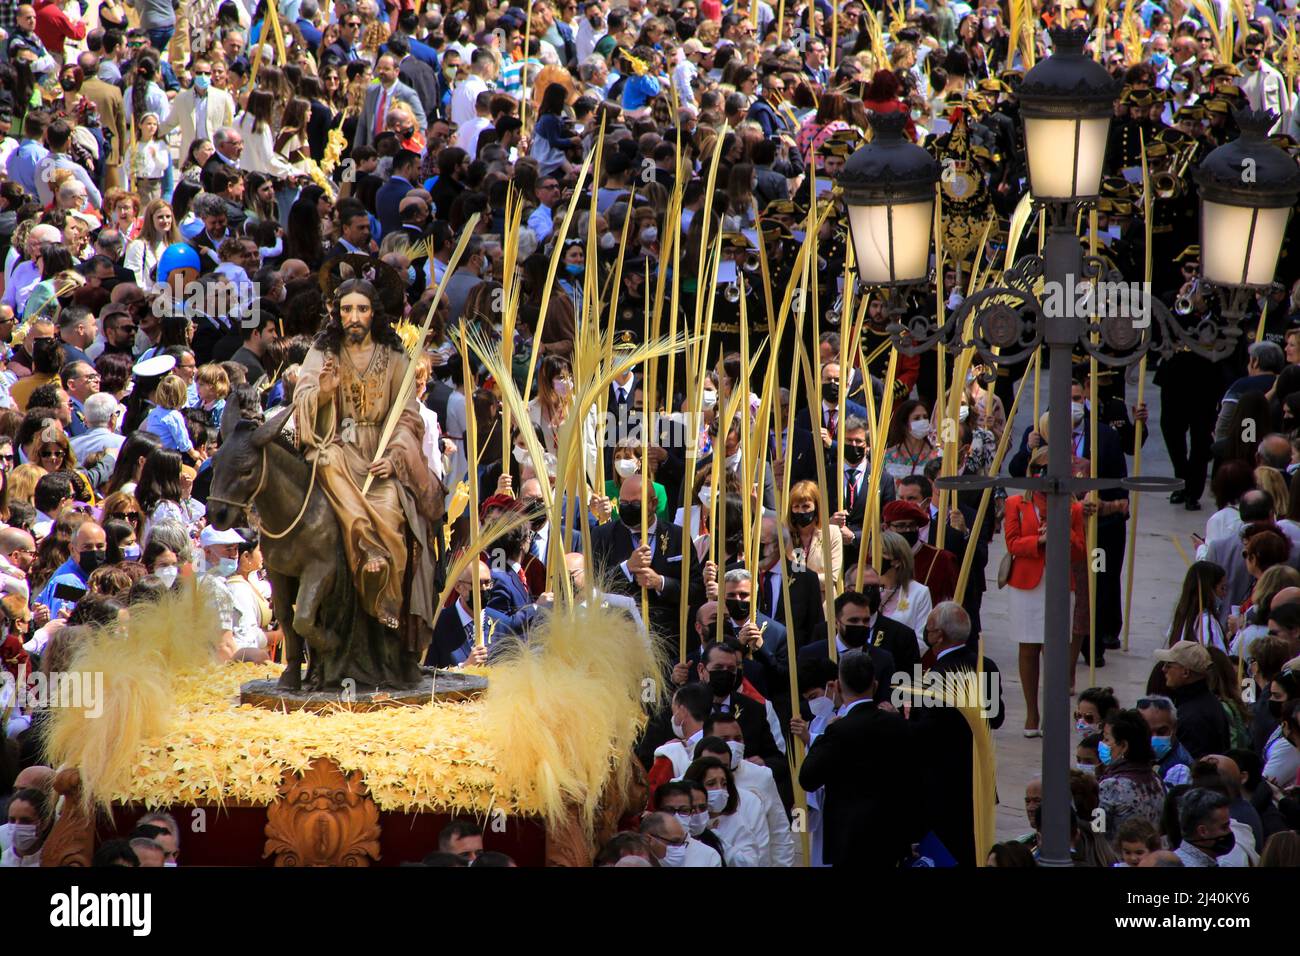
356, 313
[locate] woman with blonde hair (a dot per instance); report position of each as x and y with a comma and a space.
803, 518
1271, 480
158, 230
22, 482
902, 597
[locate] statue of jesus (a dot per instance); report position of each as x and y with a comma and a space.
347, 386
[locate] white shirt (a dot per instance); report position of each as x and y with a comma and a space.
911, 608
432, 441
463, 97
700, 854
759, 781
744, 832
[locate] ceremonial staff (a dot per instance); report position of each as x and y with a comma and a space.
1067, 102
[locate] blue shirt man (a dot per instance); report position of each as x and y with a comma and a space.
88, 548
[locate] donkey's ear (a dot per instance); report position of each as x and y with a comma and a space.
229, 420
267, 431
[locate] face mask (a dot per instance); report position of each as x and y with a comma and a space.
733, 461
722, 683
561, 386
1179, 87
964, 413
854, 454
68, 84
521, 454
201, 83
1219, 846
608, 242
706, 495
1275, 709
830, 393
1089, 768
89, 560
718, 800
821, 706
167, 574
1158, 60
738, 609
675, 856
225, 567
737, 752
678, 730
709, 399
855, 635
1083, 727
1161, 745
1076, 412
649, 235
1105, 754
803, 519
699, 822
911, 537
629, 512
919, 428
627, 467
131, 552
24, 835
574, 269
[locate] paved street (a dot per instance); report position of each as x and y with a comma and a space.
1158, 578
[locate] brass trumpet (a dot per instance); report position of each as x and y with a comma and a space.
1172, 182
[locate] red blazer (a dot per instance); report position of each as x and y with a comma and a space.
1020, 527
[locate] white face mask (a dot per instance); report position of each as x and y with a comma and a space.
608, 242
709, 399
561, 386
737, 752
678, 730
964, 413
627, 467
167, 574
23, 836
821, 706
718, 800
733, 461
919, 428
706, 495
521, 454
1076, 412
675, 856
1089, 768
699, 821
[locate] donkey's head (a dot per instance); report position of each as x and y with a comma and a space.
237, 466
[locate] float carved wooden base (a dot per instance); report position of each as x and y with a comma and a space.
323, 819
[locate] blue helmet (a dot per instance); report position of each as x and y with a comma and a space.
179, 255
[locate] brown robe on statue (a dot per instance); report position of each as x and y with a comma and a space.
393, 520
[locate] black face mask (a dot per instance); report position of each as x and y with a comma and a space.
886, 566
88, 561
738, 609
1275, 709
911, 537
723, 683
68, 84
854, 453
854, 635
1219, 846
803, 519
830, 393
629, 512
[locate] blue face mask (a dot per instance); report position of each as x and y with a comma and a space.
1162, 746
1158, 60
574, 268
201, 83
1103, 752
226, 567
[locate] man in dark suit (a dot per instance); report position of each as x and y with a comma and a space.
860, 626
415, 73
454, 635
510, 595
829, 425
655, 564
943, 735
388, 201
865, 763
847, 493
763, 638
961, 518
807, 620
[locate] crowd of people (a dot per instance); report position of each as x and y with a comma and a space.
261, 154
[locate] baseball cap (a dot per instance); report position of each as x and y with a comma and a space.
1189, 654
211, 537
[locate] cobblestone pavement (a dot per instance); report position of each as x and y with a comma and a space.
1157, 580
